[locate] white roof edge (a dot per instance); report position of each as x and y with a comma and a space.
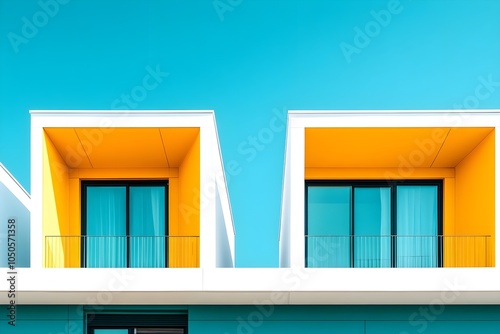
119, 112
11, 183
226, 188
283, 177
388, 111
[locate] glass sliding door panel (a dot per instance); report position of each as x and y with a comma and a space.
106, 241
417, 226
372, 227
147, 226
328, 242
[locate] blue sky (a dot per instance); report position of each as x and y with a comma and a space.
250, 61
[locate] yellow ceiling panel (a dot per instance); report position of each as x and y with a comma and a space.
68, 145
459, 143
371, 147
177, 142
123, 147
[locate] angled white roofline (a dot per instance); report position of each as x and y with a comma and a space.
16, 204
14, 186
225, 193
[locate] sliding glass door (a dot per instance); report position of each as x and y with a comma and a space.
106, 240
147, 227
373, 224
328, 242
124, 224
372, 227
417, 226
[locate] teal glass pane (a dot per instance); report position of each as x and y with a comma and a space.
417, 226
328, 241
110, 331
106, 241
147, 226
372, 227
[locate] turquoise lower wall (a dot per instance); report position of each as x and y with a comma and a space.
417, 319
43, 320
264, 319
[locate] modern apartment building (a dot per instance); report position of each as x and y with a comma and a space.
388, 223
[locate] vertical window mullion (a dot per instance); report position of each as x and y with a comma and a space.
166, 225
352, 227
306, 224
440, 261
83, 239
127, 223
394, 232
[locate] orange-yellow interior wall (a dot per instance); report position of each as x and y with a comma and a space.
475, 196
184, 236
55, 204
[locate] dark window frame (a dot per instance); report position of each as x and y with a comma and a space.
392, 184
118, 183
131, 329
131, 321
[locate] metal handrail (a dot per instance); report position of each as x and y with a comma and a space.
133, 251
398, 251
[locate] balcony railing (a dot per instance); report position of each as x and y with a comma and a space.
122, 251
398, 251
